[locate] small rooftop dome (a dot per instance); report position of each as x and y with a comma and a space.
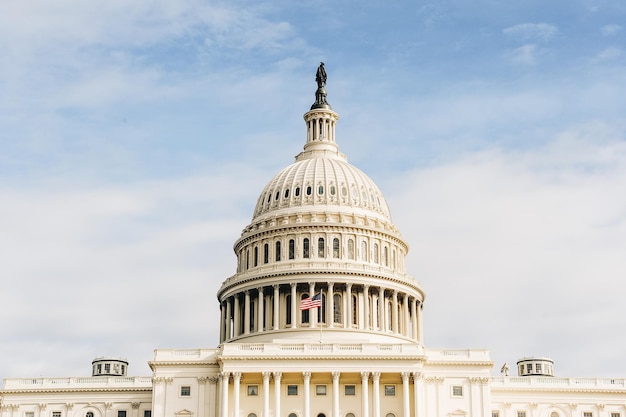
535, 366
109, 367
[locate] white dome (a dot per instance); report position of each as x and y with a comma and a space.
322, 184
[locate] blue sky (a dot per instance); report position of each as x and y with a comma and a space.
135, 137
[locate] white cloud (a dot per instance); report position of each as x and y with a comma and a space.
532, 31
524, 55
610, 30
608, 54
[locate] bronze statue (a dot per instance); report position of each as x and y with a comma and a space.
320, 76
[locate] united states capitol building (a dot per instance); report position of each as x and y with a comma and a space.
321, 232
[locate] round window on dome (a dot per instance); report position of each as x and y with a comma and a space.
297, 192
287, 193
309, 190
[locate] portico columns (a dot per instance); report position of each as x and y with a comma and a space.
276, 305
418, 394
236, 385
307, 393
406, 405
225, 378
277, 377
406, 320
335, 376
364, 394
266, 394
376, 389
382, 306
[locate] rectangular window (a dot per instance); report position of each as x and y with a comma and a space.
147, 413
320, 389
29, 414
99, 366
253, 390
538, 368
587, 414
121, 413
529, 368
390, 390
521, 414
107, 367
615, 415
495, 414
350, 390
185, 391
292, 390
56, 414
457, 391
292, 249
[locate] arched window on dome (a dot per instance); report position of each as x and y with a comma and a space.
393, 259
355, 311
386, 256
320, 247
297, 192
277, 251
305, 248
305, 313
247, 259
266, 253
320, 189
256, 256
252, 315
309, 190
292, 249
336, 248
337, 308
287, 193
288, 309
332, 190
364, 251
389, 316
350, 249
376, 253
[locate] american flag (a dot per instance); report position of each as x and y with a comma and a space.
311, 302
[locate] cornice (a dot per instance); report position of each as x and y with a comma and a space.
417, 358
65, 390
566, 389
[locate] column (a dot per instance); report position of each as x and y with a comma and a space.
394, 311
366, 303
246, 312
335, 376
266, 393
202, 395
236, 318
306, 376
414, 318
382, 306
365, 406
225, 377
228, 321
312, 313
407, 320
349, 301
376, 389
213, 402
420, 327
277, 377
260, 316
418, 394
222, 320
406, 403
294, 306
330, 306
375, 323
236, 384
276, 306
